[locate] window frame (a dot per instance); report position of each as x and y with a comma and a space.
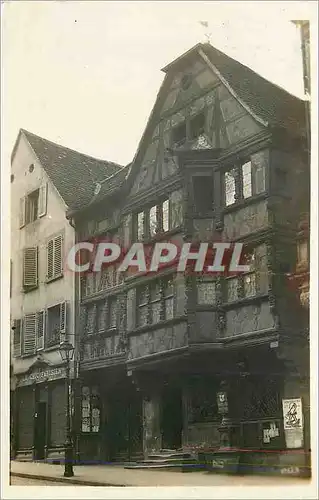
90, 408
240, 185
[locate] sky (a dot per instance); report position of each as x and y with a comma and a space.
86, 74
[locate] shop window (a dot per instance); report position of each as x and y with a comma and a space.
90, 410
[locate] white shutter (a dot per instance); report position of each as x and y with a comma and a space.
42, 205
30, 267
22, 211
17, 337
57, 267
29, 334
63, 318
40, 330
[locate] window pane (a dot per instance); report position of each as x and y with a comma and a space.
90, 319
232, 289
155, 291
101, 317
249, 285
168, 287
246, 172
156, 308
140, 225
258, 174
142, 315
153, 221
206, 293
169, 308
165, 215
230, 187
142, 296
176, 202
113, 313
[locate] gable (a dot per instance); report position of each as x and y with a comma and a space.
195, 92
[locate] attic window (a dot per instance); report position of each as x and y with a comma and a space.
31, 168
186, 82
197, 125
179, 134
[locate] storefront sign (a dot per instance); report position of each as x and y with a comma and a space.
293, 422
42, 376
222, 402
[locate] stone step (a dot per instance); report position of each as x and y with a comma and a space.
167, 456
162, 461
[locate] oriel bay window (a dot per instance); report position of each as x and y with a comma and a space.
155, 302
245, 180
90, 409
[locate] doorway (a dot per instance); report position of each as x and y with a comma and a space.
40, 430
172, 418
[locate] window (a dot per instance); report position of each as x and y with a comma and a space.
90, 319
142, 312
54, 258
230, 187
155, 303
253, 175
302, 253
101, 316
197, 126
179, 134
56, 324
17, 324
33, 206
203, 194
153, 299
140, 226
153, 221
168, 298
248, 179
29, 334
206, 293
113, 312
165, 220
251, 282
90, 409
30, 268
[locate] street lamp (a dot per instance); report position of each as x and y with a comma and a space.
67, 352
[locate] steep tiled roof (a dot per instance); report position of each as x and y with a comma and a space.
267, 100
73, 174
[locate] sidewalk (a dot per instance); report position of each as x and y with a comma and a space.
112, 475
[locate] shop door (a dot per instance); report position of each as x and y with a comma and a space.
40, 430
172, 418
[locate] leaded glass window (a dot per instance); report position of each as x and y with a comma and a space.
246, 173
232, 289
90, 319
165, 219
169, 298
206, 292
230, 187
143, 306
153, 221
113, 312
140, 225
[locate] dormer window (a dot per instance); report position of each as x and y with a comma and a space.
197, 126
179, 134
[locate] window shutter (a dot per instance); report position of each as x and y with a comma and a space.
30, 267
50, 251
42, 207
17, 337
40, 329
63, 318
29, 337
57, 266
22, 211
